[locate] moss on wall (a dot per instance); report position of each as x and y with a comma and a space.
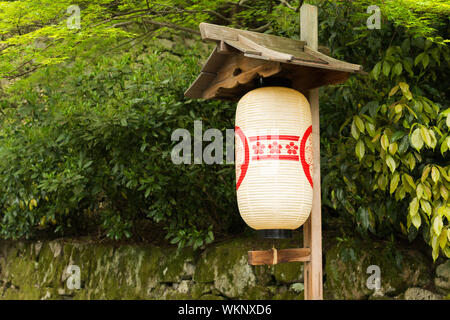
37, 270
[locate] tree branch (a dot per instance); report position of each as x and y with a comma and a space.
171, 25
286, 4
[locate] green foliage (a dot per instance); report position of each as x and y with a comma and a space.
396, 124
92, 143
35, 33
88, 139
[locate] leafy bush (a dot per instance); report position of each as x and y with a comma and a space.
396, 122
87, 143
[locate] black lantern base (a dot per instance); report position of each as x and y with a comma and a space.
275, 233
260, 82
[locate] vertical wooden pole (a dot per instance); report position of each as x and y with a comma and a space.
312, 229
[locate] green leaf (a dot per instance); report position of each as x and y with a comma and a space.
360, 149
404, 145
386, 68
371, 129
405, 90
416, 139
425, 173
397, 135
425, 136
359, 123
363, 215
393, 91
435, 174
382, 181
426, 207
198, 243
443, 239
444, 192
354, 130
435, 246
376, 70
418, 58
384, 142
437, 225
416, 221
433, 139
390, 163
394, 182
411, 161
373, 106
397, 70
410, 180
445, 145
413, 207
419, 191
393, 147
425, 60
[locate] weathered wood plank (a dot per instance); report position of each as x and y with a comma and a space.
313, 227
273, 54
274, 256
242, 47
214, 61
196, 89
230, 80
337, 64
214, 32
316, 277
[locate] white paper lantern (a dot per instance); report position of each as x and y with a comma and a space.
274, 158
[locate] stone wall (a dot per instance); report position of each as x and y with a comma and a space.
37, 270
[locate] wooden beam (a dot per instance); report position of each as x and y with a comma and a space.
243, 48
231, 81
272, 54
239, 70
212, 32
224, 48
274, 256
309, 28
337, 64
312, 230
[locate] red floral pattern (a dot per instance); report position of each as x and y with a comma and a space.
258, 148
274, 147
291, 148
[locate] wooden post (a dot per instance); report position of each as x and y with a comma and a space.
312, 229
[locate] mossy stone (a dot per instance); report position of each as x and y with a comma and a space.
211, 297
347, 263
226, 265
173, 267
288, 273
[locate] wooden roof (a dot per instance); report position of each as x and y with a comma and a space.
241, 56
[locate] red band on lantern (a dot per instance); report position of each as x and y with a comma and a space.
244, 166
303, 156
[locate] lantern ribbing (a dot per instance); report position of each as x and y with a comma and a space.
273, 188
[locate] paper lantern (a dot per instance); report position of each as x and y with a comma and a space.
274, 159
